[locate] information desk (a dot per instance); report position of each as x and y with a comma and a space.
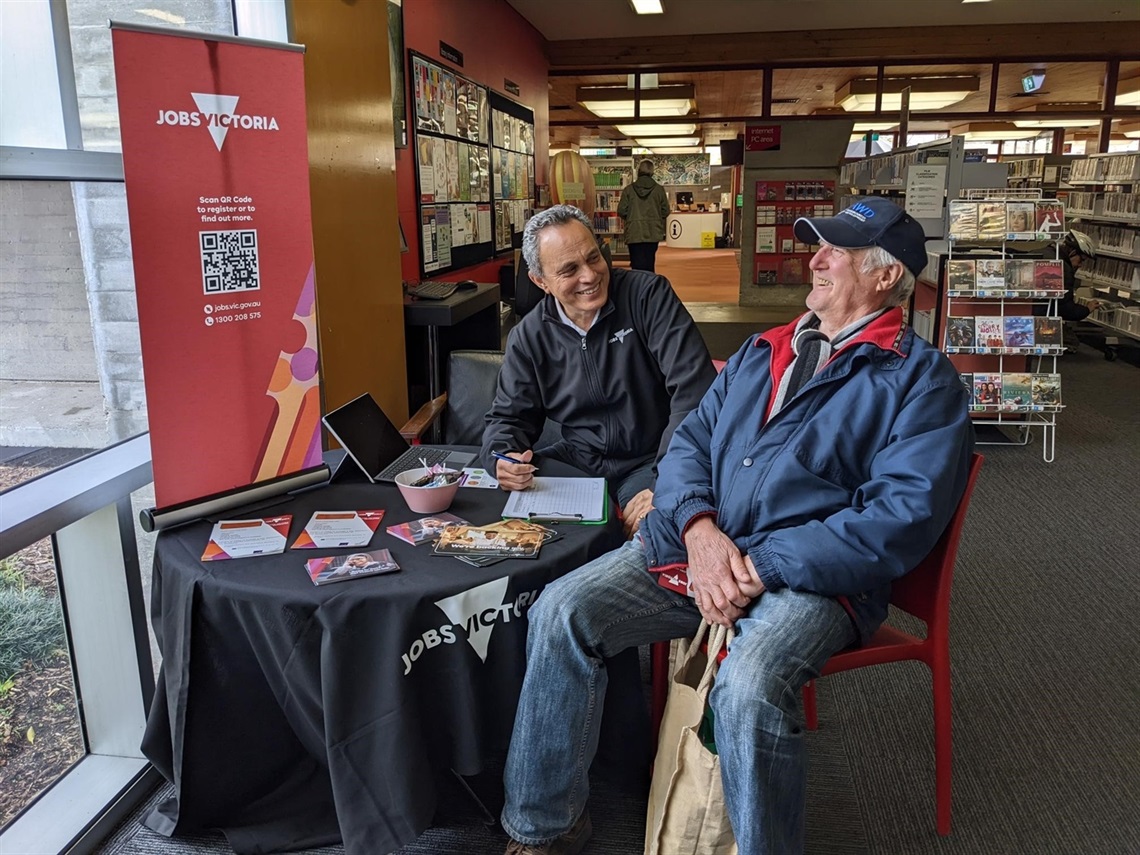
683, 229
291, 716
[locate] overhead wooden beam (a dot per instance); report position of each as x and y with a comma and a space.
1073, 41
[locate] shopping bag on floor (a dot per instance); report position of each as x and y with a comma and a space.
687, 814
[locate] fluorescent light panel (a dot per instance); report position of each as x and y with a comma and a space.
679, 129
926, 93
994, 132
679, 149
656, 109
647, 7
654, 142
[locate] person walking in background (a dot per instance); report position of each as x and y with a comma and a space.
643, 208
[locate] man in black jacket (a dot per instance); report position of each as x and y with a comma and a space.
612, 356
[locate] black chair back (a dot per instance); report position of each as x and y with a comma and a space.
472, 376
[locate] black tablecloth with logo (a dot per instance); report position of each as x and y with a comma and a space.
291, 715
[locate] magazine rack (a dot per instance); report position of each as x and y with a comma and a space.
992, 290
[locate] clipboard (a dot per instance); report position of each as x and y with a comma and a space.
583, 501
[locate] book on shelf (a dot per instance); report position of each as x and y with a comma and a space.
1016, 390
991, 221
787, 245
766, 271
1048, 276
963, 220
991, 274
989, 331
765, 239
987, 389
1020, 274
1050, 219
1046, 390
967, 379
1021, 220
339, 568
792, 271
1018, 331
960, 332
960, 274
1047, 331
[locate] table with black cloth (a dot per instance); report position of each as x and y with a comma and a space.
290, 715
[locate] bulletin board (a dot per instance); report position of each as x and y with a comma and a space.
512, 167
453, 168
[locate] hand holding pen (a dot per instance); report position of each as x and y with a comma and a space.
515, 471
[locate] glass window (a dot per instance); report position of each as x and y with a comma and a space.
30, 111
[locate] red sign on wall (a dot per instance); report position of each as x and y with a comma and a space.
762, 138
215, 156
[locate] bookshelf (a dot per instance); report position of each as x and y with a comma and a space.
611, 176
1001, 328
1106, 205
778, 257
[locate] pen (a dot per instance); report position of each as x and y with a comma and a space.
499, 456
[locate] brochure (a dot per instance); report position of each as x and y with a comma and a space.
335, 529
425, 529
504, 539
479, 478
337, 568
244, 538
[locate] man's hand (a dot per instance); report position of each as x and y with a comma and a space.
718, 573
634, 512
516, 476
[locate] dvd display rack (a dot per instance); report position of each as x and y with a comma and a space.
1002, 322
1107, 206
779, 258
611, 176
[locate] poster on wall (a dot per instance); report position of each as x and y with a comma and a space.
215, 157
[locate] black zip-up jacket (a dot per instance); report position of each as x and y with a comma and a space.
618, 393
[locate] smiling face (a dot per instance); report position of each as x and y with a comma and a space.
573, 270
841, 293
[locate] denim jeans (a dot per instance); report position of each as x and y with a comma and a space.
612, 603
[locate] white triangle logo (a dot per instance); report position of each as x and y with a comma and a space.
216, 106
465, 608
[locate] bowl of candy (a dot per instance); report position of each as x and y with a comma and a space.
429, 491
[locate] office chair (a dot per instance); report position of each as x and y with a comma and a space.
471, 379
924, 592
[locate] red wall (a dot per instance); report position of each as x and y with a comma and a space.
496, 43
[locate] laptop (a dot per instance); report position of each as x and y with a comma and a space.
375, 444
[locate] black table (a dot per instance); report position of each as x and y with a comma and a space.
291, 715
479, 306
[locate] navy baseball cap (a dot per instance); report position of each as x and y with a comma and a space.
871, 221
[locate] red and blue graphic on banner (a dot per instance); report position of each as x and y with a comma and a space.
217, 173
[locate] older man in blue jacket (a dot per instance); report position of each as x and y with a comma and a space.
824, 462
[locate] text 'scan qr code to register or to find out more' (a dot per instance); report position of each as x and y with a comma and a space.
229, 261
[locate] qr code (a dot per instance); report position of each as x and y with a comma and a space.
229, 261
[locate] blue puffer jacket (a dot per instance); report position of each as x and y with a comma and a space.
848, 487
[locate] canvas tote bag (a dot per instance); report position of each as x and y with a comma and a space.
686, 799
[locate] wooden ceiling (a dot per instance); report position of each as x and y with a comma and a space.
730, 70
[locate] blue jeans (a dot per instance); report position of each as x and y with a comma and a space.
612, 603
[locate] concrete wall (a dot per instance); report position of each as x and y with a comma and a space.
46, 331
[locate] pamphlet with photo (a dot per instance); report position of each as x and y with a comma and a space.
338, 568
425, 529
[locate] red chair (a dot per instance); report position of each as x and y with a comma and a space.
923, 592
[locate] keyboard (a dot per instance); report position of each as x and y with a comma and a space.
433, 290
413, 458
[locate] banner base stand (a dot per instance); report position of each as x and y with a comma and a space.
260, 495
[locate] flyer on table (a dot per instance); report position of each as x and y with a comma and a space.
246, 538
333, 529
216, 166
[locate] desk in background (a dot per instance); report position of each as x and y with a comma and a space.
684, 228
292, 716
467, 320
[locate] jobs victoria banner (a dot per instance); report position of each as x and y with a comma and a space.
217, 176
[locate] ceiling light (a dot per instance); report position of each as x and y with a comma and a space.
654, 142
994, 132
612, 102
659, 130
975, 1
1038, 116
926, 93
678, 149
864, 127
1130, 130
647, 7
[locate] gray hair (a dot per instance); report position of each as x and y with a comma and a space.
875, 257
559, 215
645, 167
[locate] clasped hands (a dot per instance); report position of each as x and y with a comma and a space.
723, 580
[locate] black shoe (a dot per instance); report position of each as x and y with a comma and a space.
570, 843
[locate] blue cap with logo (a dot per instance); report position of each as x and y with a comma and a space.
871, 221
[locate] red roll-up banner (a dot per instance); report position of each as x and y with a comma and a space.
217, 172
